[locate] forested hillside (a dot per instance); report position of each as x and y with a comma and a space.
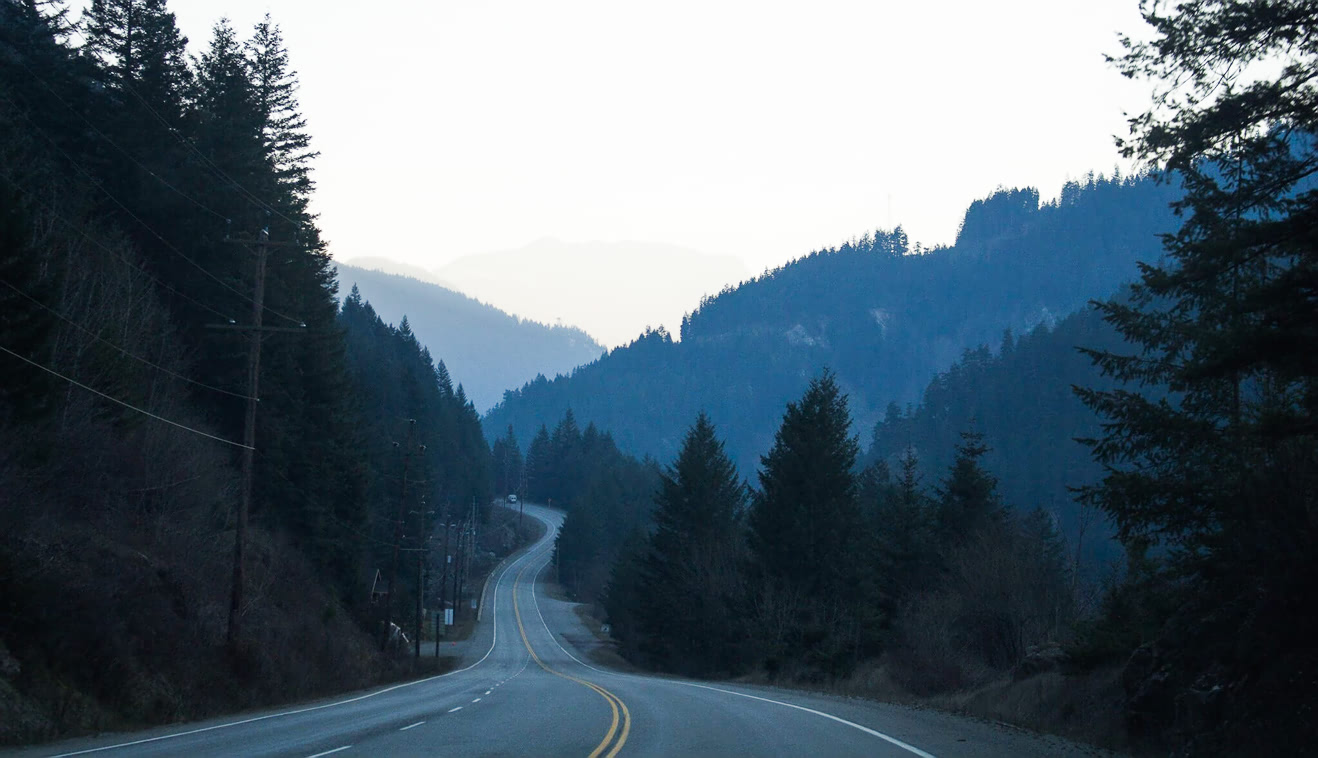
148, 203
491, 350
1021, 400
882, 316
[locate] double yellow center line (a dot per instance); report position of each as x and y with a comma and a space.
618, 708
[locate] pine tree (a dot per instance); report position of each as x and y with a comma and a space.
144, 55
1223, 469
1227, 323
968, 501
538, 466
287, 145
691, 577
805, 519
507, 458
903, 535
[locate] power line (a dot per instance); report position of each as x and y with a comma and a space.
193, 147
183, 140
102, 340
116, 145
145, 225
116, 400
98, 243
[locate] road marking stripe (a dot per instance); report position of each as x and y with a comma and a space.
520, 559
330, 752
477, 700
455, 710
875, 733
411, 726
904, 746
613, 700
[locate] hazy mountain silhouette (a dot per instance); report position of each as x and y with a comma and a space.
486, 350
613, 290
883, 317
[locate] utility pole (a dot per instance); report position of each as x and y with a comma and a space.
398, 538
257, 329
420, 563
457, 572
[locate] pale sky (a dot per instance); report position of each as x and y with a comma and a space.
761, 130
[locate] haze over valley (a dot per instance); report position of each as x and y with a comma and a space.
625, 380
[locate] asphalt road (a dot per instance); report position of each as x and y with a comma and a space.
526, 689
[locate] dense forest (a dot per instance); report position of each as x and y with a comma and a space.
154, 240
1180, 409
883, 316
491, 350
1020, 401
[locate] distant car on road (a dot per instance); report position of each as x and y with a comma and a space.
512, 500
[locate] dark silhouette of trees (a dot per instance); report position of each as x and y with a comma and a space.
691, 569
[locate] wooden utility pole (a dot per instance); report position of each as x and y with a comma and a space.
398, 539
256, 329
420, 564
443, 581
249, 440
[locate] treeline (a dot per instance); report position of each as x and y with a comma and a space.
824, 565
607, 495
466, 330
884, 315
1020, 399
138, 186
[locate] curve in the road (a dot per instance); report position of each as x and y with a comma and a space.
616, 704
535, 598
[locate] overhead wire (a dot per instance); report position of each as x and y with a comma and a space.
118, 147
169, 245
73, 28
127, 405
104, 341
77, 228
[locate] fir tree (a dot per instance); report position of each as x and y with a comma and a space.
967, 501
805, 519
1224, 468
690, 574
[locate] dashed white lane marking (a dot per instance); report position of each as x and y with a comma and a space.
503, 575
488, 691
411, 726
328, 752
477, 700
455, 710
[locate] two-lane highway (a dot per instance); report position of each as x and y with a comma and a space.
528, 691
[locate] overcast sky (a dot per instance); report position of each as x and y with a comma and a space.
755, 129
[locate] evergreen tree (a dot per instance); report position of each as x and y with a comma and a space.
287, 145
143, 54
1224, 469
902, 532
967, 501
691, 579
538, 463
805, 519
507, 459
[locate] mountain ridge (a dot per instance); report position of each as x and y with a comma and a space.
485, 349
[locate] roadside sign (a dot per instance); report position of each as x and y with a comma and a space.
448, 617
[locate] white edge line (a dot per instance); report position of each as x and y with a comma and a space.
904, 746
411, 726
330, 752
455, 710
893, 740
495, 623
